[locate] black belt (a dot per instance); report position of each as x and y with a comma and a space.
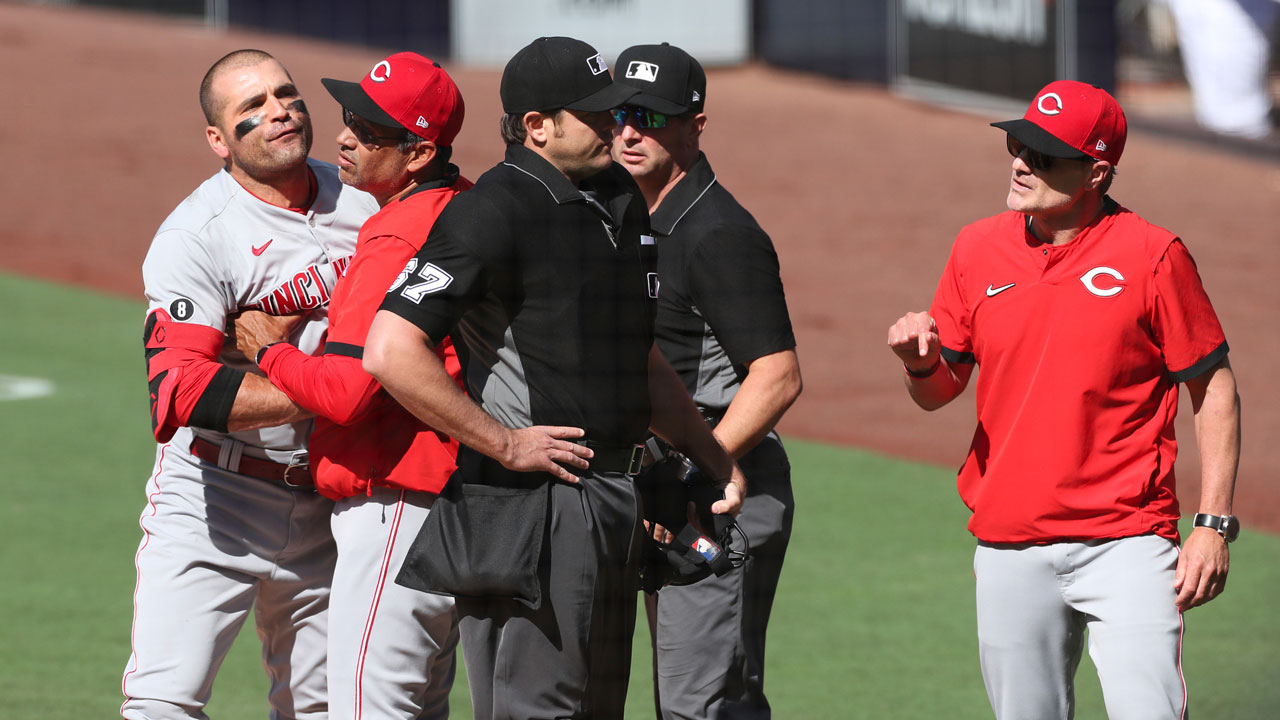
293, 476
625, 459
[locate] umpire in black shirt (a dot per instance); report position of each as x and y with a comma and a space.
545, 274
722, 322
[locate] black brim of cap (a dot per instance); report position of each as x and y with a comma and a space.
606, 98
1039, 139
657, 104
353, 97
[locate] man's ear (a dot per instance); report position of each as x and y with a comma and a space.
421, 155
536, 126
1098, 173
699, 124
694, 129
217, 142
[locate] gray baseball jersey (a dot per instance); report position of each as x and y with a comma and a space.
217, 542
223, 250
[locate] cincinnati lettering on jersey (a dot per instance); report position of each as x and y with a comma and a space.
304, 291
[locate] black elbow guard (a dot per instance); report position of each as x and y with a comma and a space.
214, 406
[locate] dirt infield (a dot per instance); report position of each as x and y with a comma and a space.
861, 191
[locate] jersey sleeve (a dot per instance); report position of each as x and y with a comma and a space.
452, 271
735, 283
1184, 322
360, 292
951, 313
334, 384
188, 304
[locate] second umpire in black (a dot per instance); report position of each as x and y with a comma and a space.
544, 273
722, 322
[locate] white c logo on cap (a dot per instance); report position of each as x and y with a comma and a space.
1057, 104
1088, 277
386, 67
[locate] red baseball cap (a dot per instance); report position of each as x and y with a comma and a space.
1071, 119
406, 90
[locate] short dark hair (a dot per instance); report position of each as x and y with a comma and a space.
439, 164
248, 57
512, 129
408, 142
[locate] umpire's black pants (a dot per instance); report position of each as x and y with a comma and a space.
571, 657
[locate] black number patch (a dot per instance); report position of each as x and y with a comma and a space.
182, 309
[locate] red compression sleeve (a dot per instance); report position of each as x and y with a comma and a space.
188, 386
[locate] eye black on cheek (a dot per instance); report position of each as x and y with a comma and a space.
244, 127
298, 106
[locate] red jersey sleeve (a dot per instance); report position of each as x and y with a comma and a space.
335, 385
1183, 320
951, 313
332, 386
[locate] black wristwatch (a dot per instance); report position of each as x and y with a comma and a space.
263, 351
1226, 525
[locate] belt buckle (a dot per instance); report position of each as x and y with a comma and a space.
300, 459
636, 462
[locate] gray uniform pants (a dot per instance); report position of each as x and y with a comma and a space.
215, 545
710, 635
570, 658
1035, 603
391, 649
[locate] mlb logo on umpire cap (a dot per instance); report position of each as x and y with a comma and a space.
641, 70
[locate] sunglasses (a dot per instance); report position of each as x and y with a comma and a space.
364, 134
645, 119
1035, 159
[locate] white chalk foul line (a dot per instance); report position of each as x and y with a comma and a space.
14, 387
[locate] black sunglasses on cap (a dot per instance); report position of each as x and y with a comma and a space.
365, 135
645, 118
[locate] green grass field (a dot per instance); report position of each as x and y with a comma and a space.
874, 618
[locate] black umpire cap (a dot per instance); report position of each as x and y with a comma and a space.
559, 72
669, 80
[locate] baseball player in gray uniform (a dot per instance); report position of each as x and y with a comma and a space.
232, 521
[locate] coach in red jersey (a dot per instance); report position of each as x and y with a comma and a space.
1084, 319
391, 649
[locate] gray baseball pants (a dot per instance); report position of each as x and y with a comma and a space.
391, 649
570, 658
1035, 603
710, 635
216, 544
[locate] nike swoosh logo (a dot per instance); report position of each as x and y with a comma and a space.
259, 250
993, 291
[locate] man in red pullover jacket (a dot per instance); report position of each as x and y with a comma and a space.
391, 649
